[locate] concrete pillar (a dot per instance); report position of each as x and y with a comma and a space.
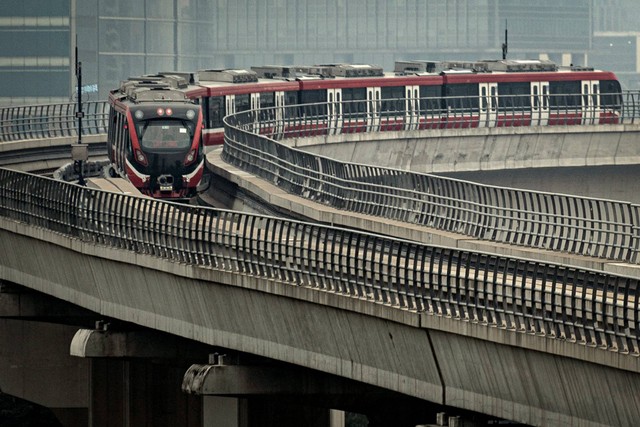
336, 418
136, 378
132, 393
275, 396
220, 411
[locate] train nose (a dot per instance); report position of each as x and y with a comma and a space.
165, 182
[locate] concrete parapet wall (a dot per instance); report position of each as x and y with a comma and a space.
521, 377
456, 150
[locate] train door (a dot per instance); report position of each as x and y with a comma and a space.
334, 111
373, 109
539, 103
412, 107
590, 101
278, 128
254, 104
230, 104
488, 104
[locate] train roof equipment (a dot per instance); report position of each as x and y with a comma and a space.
318, 71
483, 66
279, 71
156, 87
228, 75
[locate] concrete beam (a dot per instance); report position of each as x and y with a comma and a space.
19, 302
236, 380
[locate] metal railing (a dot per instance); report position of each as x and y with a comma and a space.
58, 120
577, 225
345, 117
52, 120
577, 305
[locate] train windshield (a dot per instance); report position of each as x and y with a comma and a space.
165, 134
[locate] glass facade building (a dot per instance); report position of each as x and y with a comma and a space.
121, 38
35, 51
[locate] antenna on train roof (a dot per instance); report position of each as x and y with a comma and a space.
505, 45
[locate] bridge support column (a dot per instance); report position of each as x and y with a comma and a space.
135, 378
220, 411
139, 392
272, 396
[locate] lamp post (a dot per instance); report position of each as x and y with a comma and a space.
80, 151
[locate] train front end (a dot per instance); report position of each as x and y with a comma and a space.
166, 158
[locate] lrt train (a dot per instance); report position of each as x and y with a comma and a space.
417, 95
354, 98
154, 136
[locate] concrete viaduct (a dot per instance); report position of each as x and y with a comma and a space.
243, 346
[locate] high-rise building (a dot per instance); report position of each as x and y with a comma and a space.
120, 38
35, 51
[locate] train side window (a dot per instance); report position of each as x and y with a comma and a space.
112, 127
216, 112
267, 100
314, 102
291, 98
515, 96
392, 100
355, 101
267, 104
243, 102
564, 94
610, 94
536, 101
313, 96
430, 98
462, 97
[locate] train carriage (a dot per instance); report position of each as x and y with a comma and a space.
299, 101
154, 137
343, 98
225, 92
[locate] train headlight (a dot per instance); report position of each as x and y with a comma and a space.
191, 114
141, 158
169, 111
190, 157
139, 114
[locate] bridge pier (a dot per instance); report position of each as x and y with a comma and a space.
137, 392
266, 411
274, 395
135, 380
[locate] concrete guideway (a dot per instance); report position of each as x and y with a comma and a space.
311, 211
429, 357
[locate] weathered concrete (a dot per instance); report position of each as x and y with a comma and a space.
512, 381
44, 143
134, 344
194, 303
617, 182
429, 357
456, 150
